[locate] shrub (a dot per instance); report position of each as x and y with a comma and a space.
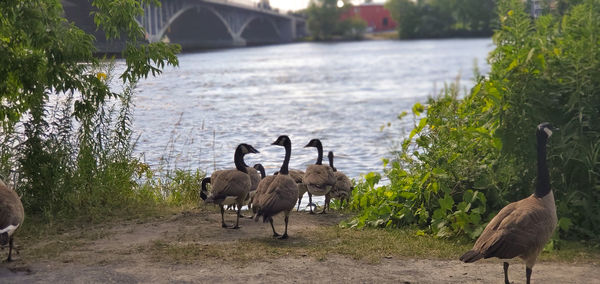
467, 158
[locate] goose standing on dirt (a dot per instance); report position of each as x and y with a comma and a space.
230, 186
277, 193
318, 178
342, 189
521, 228
11, 216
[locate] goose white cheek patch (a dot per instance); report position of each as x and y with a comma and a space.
548, 132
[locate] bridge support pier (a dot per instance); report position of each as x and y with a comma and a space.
238, 41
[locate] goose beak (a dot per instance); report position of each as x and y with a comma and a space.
253, 150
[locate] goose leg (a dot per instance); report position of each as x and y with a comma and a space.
506, 273
275, 234
285, 235
299, 201
223, 217
327, 199
528, 274
237, 219
309, 200
10, 248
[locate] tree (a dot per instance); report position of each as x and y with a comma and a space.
324, 20
43, 59
407, 15
442, 18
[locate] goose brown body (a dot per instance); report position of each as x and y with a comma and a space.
229, 187
11, 216
275, 194
520, 229
319, 179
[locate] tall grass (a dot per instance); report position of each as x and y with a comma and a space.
86, 168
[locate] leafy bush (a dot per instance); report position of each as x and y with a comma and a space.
467, 158
66, 133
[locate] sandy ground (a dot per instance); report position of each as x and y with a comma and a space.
113, 255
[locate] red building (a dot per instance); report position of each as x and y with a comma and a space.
377, 17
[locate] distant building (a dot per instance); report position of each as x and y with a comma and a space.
264, 4
377, 17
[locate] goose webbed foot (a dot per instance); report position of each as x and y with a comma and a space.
223, 225
234, 227
285, 236
276, 235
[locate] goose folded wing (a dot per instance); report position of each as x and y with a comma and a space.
515, 231
230, 183
319, 175
280, 196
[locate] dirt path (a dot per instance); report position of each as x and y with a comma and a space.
191, 247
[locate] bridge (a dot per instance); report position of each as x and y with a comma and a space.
199, 24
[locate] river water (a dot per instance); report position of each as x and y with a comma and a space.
193, 116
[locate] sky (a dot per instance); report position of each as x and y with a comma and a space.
287, 5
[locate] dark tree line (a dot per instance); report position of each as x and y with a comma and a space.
443, 18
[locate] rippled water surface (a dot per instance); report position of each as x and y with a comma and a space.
194, 116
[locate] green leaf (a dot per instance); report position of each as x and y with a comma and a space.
417, 109
564, 224
447, 202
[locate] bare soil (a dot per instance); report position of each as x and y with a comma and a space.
191, 247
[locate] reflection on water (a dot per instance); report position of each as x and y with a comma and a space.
194, 116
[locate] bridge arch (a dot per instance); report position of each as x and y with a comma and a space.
275, 36
187, 8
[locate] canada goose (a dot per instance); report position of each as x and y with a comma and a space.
342, 188
11, 216
255, 181
230, 186
318, 178
521, 228
277, 193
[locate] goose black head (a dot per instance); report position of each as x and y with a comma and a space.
247, 149
545, 129
314, 143
282, 141
261, 169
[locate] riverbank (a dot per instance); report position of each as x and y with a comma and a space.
190, 246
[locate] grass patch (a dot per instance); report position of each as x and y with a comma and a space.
70, 239
369, 245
